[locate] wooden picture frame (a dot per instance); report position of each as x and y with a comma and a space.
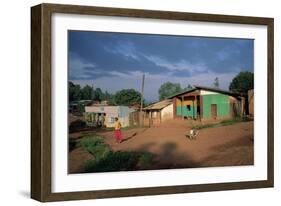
41, 95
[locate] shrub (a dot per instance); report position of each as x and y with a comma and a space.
77, 125
95, 146
113, 161
145, 160
106, 160
90, 141
72, 144
81, 108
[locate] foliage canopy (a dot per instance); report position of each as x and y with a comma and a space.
168, 89
127, 97
243, 82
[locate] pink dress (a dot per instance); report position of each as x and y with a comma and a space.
118, 135
117, 132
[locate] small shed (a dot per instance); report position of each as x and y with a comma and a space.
158, 112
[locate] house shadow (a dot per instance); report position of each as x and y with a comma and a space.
167, 157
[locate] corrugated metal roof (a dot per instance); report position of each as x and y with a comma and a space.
121, 111
159, 105
208, 89
180, 93
217, 90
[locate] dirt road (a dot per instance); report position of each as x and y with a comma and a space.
220, 146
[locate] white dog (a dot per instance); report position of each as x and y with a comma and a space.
192, 134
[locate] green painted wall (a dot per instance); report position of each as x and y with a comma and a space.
222, 102
178, 111
183, 111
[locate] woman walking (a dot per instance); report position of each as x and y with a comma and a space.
117, 131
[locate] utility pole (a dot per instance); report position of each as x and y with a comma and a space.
141, 108
93, 93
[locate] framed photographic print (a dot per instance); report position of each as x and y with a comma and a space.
130, 102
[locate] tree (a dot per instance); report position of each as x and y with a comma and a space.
127, 97
98, 95
74, 92
77, 93
242, 82
216, 83
87, 92
168, 89
188, 87
109, 98
106, 95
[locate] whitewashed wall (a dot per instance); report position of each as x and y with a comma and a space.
167, 112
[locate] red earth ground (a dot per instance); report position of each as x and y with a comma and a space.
219, 146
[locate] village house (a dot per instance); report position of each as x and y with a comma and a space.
158, 112
104, 115
206, 103
199, 103
251, 102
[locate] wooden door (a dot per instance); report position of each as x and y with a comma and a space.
214, 111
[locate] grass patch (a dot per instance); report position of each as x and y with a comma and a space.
204, 126
113, 161
119, 161
234, 121
229, 122
106, 160
90, 141
95, 146
222, 123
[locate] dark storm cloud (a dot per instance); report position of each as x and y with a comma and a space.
156, 54
114, 61
104, 51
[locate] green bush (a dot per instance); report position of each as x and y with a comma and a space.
89, 142
77, 125
145, 160
72, 143
106, 160
81, 108
95, 146
113, 161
